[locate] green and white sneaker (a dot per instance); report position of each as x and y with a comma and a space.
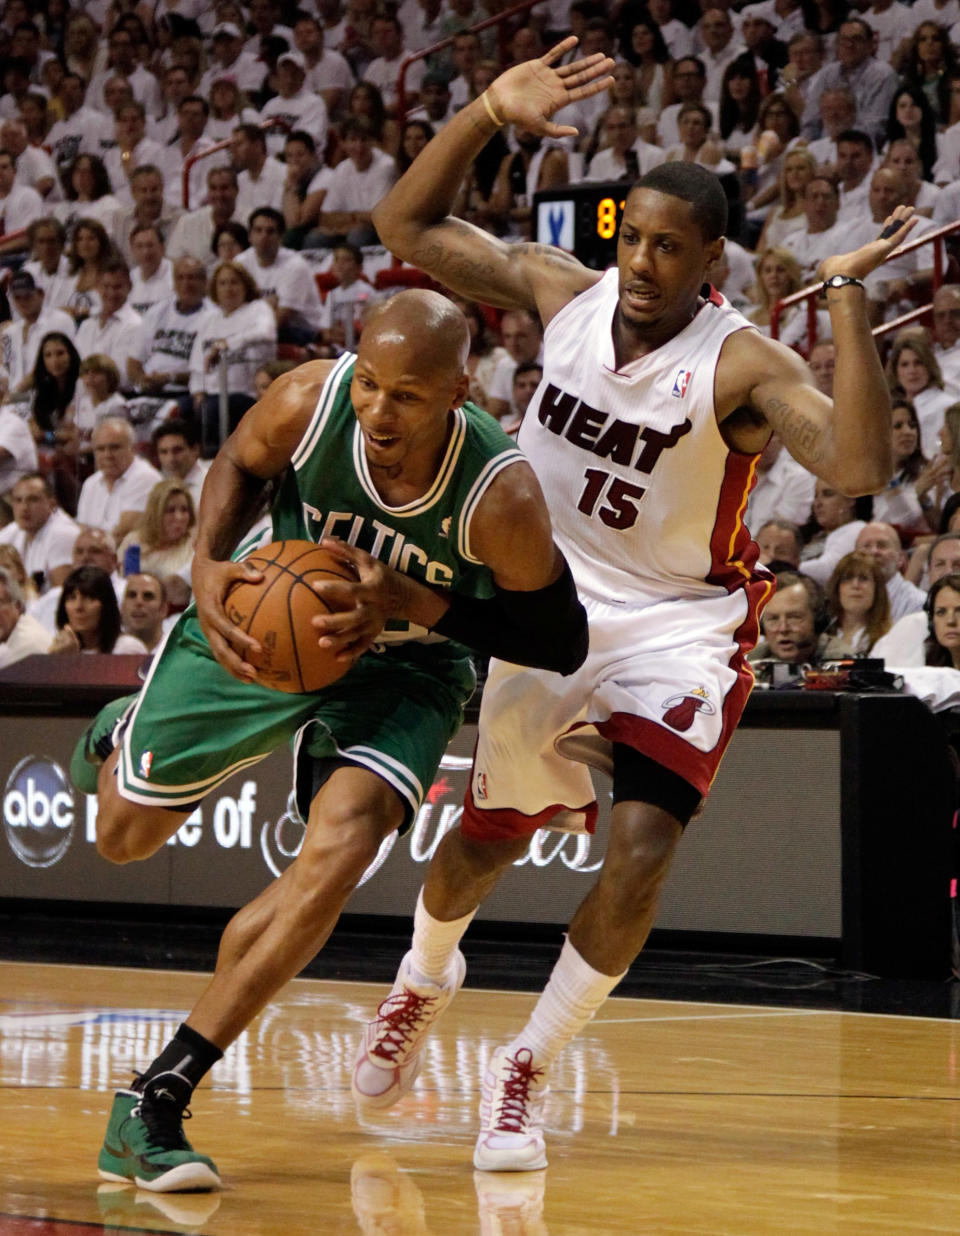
144, 1145
95, 744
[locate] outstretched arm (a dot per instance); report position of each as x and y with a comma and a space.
415, 222
846, 442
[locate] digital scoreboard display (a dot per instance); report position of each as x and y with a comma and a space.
583, 219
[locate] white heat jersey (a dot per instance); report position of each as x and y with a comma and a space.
645, 496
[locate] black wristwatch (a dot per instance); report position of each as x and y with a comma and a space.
841, 281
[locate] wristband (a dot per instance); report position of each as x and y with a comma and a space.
490, 112
840, 281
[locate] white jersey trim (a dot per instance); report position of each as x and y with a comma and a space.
322, 410
440, 482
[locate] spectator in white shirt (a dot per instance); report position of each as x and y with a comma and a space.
117, 330
816, 240
41, 532
19, 205
304, 189
284, 278
122, 60
170, 328
151, 279
133, 149
784, 488
20, 634
328, 73
228, 56
720, 48
35, 168
193, 233
855, 162
114, 497
435, 105
384, 70
260, 177
48, 263
295, 105
18, 453
946, 334
345, 303
357, 184
144, 608
903, 645
189, 141
522, 334
837, 109
625, 155
178, 454
176, 86
913, 369
20, 338
83, 130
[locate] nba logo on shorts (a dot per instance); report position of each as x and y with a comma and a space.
146, 759
481, 785
681, 382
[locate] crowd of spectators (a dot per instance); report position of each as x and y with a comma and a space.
185, 211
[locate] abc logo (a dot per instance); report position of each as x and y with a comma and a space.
38, 812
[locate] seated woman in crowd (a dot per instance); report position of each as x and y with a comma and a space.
97, 395
167, 531
914, 372
762, 160
228, 108
88, 616
413, 137
778, 276
911, 500
786, 215
229, 241
52, 415
912, 119
244, 331
943, 608
928, 60
90, 246
88, 194
739, 105
832, 531
647, 52
858, 605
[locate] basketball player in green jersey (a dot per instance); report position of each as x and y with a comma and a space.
449, 533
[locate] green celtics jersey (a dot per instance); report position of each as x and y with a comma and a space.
328, 491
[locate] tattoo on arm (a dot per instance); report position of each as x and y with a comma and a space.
796, 429
447, 262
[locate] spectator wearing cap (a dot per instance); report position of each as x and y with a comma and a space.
260, 177
20, 338
193, 233
81, 129
191, 140
20, 634
133, 149
284, 278
227, 56
19, 205
384, 69
117, 330
41, 532
328, 73
295, 104
358, 182
435, 105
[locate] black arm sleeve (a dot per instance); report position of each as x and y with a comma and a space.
546, 628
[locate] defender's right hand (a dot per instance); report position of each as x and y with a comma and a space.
211, 583
528, 94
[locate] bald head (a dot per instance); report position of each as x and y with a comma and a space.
428, 325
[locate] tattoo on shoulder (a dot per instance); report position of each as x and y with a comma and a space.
796, 429
552, 254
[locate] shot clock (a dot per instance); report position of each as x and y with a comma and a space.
583, 219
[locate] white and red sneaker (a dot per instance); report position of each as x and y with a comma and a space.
389, 1057
511, 1119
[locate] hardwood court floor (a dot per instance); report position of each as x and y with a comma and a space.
665, 1117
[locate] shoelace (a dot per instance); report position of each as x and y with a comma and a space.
164, 1121
512, 1113
401, 1014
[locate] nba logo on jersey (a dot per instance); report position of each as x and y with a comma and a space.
146, 759
681, 382
481, 785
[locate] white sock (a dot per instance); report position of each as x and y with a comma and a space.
434, 943
571, 997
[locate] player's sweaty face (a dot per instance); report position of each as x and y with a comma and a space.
661, 256
400, 402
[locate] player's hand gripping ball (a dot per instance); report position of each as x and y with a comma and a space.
277, 613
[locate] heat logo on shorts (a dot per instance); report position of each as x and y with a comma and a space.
681, 382
680, 710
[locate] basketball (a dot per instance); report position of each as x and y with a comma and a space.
277, 613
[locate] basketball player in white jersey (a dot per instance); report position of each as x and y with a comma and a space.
657, 397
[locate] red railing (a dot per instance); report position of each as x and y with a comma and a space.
191, 159
499, 19
810, 294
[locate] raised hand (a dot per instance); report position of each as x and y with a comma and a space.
868, 257
528, 94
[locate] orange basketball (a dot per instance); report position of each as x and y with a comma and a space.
277, 613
